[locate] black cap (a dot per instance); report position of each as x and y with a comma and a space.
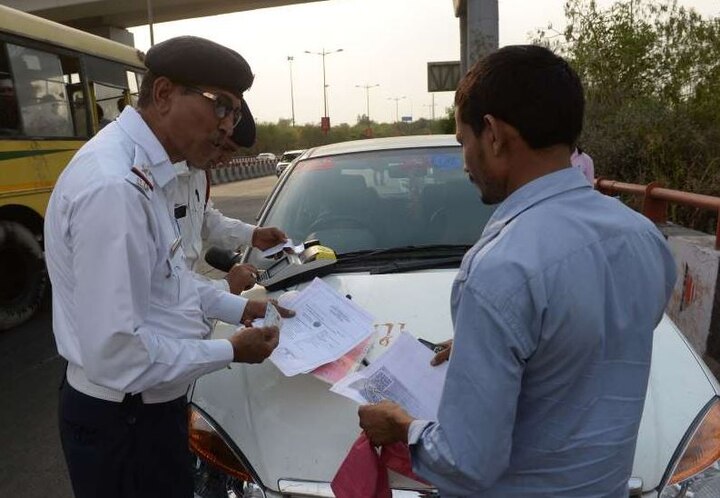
244, 133
196, 61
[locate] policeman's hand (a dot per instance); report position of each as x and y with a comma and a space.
444, 354
255, 308
241, 277
253, 345
385, 422
267, 237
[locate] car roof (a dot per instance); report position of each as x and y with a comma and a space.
374, 144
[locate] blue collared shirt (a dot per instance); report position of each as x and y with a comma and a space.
554, 310
128, 315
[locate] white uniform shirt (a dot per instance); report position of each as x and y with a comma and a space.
128, 315
203, 222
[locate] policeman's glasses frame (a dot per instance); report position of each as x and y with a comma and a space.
223, 104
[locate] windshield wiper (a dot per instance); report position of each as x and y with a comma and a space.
415, 251
425, 264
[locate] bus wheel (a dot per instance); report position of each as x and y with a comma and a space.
24, 277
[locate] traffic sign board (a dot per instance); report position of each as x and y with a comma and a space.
443, 76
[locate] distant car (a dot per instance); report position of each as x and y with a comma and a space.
286, 159
267, 156
400, 214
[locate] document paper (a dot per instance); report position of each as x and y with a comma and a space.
297, 249
326, 325
403, 375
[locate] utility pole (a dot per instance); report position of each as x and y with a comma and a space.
323, 54
432, 107
396, 99
290, 59
150, 22
367, 88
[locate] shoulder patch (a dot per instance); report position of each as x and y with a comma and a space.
138, 180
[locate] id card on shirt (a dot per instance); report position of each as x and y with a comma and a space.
272, 316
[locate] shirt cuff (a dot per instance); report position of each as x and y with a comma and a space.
230, 308
416, 429
221, 349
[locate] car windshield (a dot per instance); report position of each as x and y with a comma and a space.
378, 200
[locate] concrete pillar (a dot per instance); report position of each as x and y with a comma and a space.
478, 30
695, 302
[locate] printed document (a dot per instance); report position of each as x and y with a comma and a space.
297, 249
403, 375
326, 325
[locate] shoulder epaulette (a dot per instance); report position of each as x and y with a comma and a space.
140, 181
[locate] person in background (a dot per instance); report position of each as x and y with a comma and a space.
201, 223
102, 120
582, 161
553, 308
129, 317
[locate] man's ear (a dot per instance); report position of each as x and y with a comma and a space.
496, 133
163, 90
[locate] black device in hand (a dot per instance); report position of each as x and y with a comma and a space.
222, 259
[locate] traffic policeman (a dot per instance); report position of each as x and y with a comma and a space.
200, 222
128, 316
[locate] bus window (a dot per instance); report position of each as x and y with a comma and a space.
40, 89
134, 82
106, 98
9, 116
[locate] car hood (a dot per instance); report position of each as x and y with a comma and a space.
295, 428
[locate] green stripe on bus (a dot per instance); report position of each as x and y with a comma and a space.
17, 154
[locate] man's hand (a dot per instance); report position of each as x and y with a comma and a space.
443, 355
241, 277
267, 237
255, 308
255, 344
385, 422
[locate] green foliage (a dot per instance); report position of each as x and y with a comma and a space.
281, 136
651, 71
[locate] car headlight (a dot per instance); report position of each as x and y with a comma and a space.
212, 446
695, 471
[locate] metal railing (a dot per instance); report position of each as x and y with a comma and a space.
241, 168
655, 200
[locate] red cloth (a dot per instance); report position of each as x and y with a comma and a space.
363, 473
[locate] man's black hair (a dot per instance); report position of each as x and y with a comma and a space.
528, 87
145, 96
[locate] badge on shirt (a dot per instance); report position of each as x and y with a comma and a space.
140, 179
180, 211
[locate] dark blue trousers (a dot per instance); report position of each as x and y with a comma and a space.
125, 450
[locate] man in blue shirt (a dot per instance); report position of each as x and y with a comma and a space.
554, 308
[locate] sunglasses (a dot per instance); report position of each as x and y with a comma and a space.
223, 104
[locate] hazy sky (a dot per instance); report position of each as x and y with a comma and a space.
385, 42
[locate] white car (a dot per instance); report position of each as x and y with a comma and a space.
400, 213
285, 160
267, 156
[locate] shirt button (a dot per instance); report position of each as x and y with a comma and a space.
131, 419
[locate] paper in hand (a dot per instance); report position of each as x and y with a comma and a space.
289, 245
272, 316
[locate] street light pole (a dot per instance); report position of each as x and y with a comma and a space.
290, 59
367, 97
150, 22
323, 54
396, 99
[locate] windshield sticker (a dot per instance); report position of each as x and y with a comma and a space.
447, 161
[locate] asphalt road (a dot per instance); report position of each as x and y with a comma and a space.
31, 460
